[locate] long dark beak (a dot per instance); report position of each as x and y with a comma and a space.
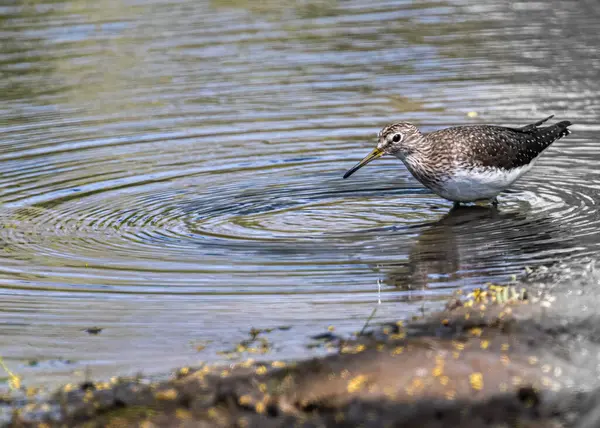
376, 153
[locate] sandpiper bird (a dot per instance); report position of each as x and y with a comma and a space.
466, 163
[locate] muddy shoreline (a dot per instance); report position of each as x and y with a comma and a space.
520, 356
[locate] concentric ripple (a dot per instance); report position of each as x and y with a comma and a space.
172, 172
168, 225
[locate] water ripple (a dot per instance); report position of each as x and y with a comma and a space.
172, 171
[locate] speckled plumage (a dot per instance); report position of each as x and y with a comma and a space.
467, 163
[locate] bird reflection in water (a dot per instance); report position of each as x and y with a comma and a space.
474, 244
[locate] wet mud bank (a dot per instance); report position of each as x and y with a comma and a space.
513, 356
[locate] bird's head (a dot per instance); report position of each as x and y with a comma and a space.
399, 139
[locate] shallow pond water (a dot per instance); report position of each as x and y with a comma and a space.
171, 172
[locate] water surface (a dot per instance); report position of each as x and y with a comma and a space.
172, 171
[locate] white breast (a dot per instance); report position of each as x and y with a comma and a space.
479, 183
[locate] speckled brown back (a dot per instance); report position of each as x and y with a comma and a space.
495, 146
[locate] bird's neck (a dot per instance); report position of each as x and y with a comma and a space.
419, 159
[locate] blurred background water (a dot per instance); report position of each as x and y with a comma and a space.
171, 171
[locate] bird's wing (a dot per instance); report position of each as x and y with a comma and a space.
497, 146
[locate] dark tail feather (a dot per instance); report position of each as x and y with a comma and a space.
531, 127
549, 134
563, 128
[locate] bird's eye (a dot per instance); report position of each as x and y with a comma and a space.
397, 138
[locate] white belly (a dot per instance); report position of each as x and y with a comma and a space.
479, 183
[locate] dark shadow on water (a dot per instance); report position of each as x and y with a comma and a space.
475, 241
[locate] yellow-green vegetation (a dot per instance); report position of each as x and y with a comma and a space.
496, 294
255, 344
14, 381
